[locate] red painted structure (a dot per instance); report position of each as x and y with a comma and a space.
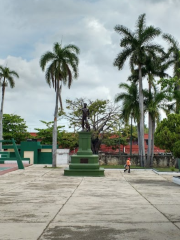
123, 149
126, 149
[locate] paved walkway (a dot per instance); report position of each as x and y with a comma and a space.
41, 204
5, 168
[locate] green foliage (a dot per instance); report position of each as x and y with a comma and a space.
7, 76
64, 139
130, 101
62, 67
46, 134
167, 135
14, 127
69, 140
172, 169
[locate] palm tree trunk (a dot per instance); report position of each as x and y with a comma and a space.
1, 114
152, 147
60, 99
141, 108
149, 153
138, 128
131, 138
54, 146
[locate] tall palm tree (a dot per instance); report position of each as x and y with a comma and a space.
136, 46
154, 101
130, 104
153, 67
62, 68
6, 77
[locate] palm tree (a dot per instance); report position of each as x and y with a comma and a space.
62, 68
174, 60
130, 105
154, 101
6, 77
153, 67
137, 45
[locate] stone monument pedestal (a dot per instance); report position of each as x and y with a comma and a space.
84, 163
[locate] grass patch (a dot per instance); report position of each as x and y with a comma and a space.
166, 169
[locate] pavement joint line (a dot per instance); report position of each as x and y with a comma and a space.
59, 210
153, 205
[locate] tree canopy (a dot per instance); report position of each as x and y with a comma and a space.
167, 135
64, 139
14, 127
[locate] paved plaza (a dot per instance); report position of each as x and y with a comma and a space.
41, 204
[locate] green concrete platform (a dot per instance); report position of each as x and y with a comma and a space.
84, 163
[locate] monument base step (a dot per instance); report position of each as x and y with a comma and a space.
84, 172
82, 166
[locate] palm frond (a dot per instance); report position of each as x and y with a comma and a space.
140, 25
46, 58
150, 33
122, 57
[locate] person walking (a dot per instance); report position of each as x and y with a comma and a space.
128, 165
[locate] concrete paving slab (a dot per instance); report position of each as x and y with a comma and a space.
31, 213
109, 231
40, 203
109, 212
20, 231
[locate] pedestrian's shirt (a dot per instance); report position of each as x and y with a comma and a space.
128, 163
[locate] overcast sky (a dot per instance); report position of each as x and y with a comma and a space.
29, 28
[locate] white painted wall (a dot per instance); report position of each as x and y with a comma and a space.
62, 156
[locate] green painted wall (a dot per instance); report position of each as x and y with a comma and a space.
44, 158
39, 157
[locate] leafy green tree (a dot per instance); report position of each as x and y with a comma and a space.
45, 134
62, 68
6, 77
103, 116
14, 127
137, 46
167, 135
64, 139
69, 140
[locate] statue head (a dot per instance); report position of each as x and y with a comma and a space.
85, 105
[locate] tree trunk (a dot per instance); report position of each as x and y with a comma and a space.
60, 99
1, 114
54, 140
138, 128
149, 153
131, 139
141, 108
152, 147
